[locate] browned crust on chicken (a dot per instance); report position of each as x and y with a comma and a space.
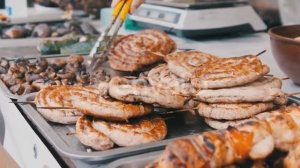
184, 63
266, 89
224, 124
229, 72
139, 131
222, 111
133, 52
293, 158
88, 101
69, 116
109, 109
89, 136
140, 91
219, 148
162, 77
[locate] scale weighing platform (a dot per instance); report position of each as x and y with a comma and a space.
193, 18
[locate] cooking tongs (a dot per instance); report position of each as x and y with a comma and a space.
104, 42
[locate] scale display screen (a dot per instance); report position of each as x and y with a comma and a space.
197, 4
161, 15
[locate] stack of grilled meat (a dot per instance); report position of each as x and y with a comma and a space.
225, 91
100, 120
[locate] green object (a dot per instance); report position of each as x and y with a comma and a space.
48, 47
68, 45
131, 25
82, 47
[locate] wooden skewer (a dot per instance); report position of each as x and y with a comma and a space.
261, 53
285, 78
269, 75
176, 111
23, 102
32, 102
57, 108
293, 94
71, 133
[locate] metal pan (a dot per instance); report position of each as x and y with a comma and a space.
145, 159
179, 125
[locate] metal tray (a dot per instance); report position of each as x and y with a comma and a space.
6, 90
142, 160
179, 125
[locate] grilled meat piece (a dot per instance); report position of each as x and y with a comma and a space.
89, 136
162, 77
86, 100
222, 111
184, 63
53, 96
139, 131
266, 89
138, 90
133, 52
224, 124
293, 158
219, 148
109, 109
229, 72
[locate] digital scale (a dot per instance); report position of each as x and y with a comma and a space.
192, 18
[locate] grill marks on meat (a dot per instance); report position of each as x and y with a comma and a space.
293, 158
133, 52
138, 90
68, 116
86, 100
89, 136
140, 131
162, 77
266, 89
109, 109
184, 63
224, 124
229, 72
255, 139
222, 111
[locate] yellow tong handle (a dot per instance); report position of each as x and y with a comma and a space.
122, 11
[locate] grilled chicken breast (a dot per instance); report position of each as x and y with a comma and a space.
162, 77
139, 131
133, 52
222, 111
255, 140
184, 63
139, 90
229, 72
266, 89
89, 136
224, 124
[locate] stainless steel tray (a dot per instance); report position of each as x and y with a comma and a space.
147, 158
179, 125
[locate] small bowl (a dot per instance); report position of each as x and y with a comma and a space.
286, 50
